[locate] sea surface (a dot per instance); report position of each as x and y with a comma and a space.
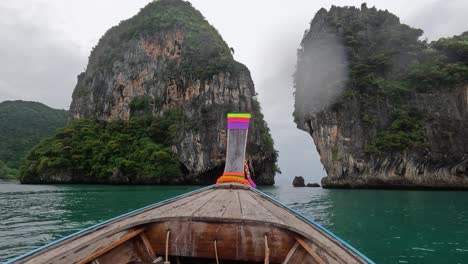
387, 226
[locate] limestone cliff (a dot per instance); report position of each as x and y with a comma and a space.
393, 112
169, 57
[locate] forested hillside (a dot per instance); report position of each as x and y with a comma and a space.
23, 125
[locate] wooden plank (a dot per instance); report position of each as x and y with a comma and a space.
322, 254
111, 246
291, 253
127, 252
147, 245
232, 205
187, 209
253, 210
76, 253
310, 250
179, 206
299, 257
225, 205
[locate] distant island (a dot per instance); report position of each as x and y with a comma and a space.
151, 107
385, 109
23, 125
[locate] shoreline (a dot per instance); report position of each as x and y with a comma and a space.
399, 188
402, 187
9, 180
327, 187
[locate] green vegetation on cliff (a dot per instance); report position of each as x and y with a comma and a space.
7, 172
405, 132
89, 148
442, 64
388, 63
266, 144
388, 57
204, 52
23, 125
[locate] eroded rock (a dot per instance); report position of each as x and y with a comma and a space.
298, 181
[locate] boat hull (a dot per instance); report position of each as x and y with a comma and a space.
229, 222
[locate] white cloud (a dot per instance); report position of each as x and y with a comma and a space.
441, 18
36, 64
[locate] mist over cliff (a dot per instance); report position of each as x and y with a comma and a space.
322, 68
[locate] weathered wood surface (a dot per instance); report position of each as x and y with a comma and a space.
123, 253
111, 246
148, 249
311, 252
235, 241
225, 203
81, 249
290, 254
300, 256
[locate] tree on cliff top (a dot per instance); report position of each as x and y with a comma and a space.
204, 52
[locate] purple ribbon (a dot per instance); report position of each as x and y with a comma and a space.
238, 125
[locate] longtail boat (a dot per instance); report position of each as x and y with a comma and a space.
230, 222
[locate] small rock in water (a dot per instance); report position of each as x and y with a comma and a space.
313, 185
298, 181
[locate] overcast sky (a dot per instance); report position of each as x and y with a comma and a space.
45, 44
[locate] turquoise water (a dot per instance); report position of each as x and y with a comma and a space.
387, 226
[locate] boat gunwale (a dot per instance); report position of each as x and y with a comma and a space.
98, 226
101, 224
317, 225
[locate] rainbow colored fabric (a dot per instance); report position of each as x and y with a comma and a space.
238, 121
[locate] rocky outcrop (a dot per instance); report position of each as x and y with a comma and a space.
298, 181
341, 137
360, 141
168, 57
314, 185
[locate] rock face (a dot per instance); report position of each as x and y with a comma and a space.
298, 181
168, 57
375, 134
341, 141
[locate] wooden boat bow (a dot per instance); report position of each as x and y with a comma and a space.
236, 216
230, 221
